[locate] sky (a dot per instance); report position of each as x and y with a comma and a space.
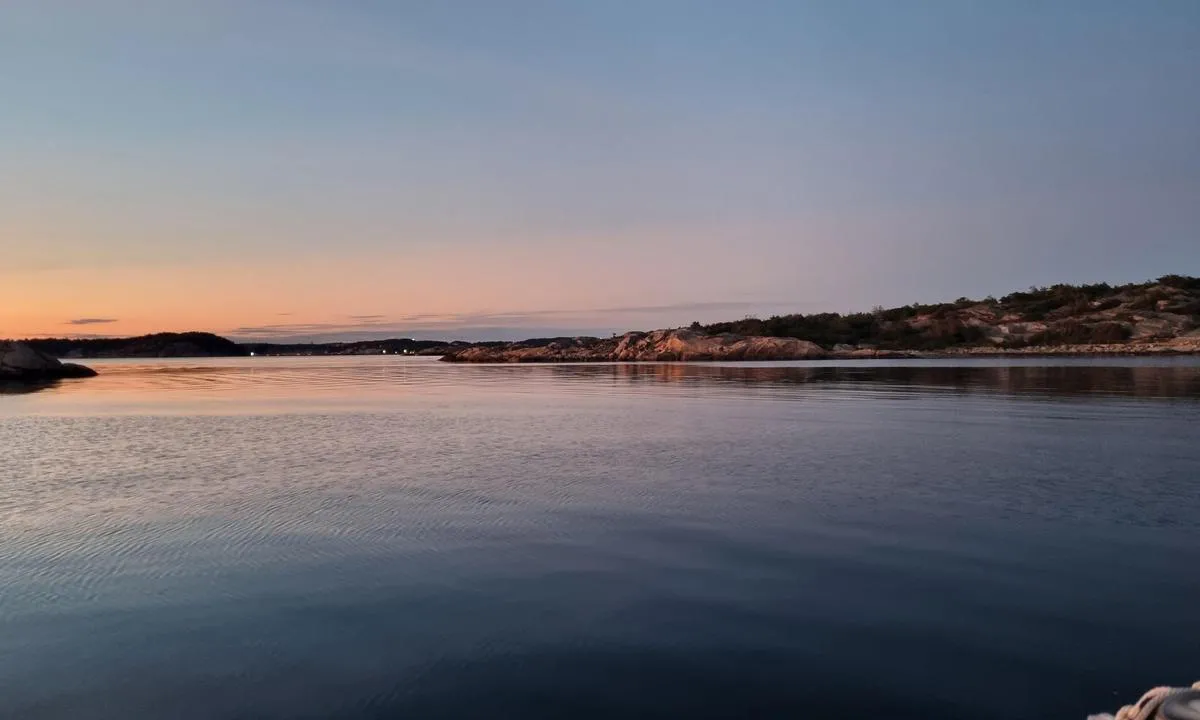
303, 169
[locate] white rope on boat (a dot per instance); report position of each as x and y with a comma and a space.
1147, 708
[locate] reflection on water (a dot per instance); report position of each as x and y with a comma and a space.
180, 385
386, 538
1172, 380
15, 388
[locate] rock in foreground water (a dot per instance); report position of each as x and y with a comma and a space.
21, 363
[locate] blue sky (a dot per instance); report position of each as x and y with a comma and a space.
507, 168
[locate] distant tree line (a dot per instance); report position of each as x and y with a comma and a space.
156, 345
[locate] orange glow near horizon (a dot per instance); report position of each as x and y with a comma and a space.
421, 291
134, 301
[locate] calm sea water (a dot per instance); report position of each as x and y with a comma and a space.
398, 538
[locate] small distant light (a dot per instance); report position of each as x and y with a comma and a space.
251, 354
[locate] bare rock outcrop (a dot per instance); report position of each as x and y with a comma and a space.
659, 345
692, 345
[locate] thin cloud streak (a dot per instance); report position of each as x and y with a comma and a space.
91, 321
78, 336
496, 325
469, 334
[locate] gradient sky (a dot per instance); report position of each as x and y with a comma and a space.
268, 169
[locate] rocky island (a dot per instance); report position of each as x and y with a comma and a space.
1157, 317
20, 363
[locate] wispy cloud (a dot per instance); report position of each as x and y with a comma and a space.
91, 321
501, 325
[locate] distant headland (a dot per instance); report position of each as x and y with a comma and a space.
1156, 317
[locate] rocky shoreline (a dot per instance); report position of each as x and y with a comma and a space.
692, 346
658, 345
1124, 349
21, 364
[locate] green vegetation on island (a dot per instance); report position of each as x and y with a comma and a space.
1095, 314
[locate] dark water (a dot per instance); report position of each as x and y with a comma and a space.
387, 538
